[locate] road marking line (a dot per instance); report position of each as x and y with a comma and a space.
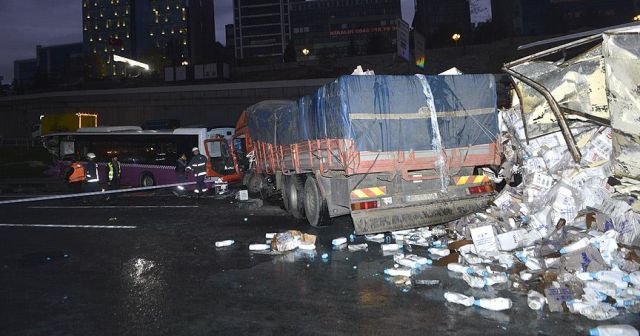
111, 206
73, 226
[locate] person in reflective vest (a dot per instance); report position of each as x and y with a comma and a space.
92, 173
75, 176
198, 164
113, 173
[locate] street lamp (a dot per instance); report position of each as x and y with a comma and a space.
185, 63
305, 51
456, 37
636, 18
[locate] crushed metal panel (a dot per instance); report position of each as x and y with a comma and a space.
622, 67
577, 84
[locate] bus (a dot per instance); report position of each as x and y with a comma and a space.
148, 157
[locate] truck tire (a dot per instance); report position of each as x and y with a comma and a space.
315, 205
295, 195
285, 193
254, 184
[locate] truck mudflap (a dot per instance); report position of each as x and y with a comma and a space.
413, 216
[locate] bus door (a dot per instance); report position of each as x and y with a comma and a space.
221, 163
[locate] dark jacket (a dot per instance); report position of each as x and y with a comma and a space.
199, 165
92, 172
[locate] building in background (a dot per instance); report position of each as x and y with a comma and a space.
262, 29
24, 73
544, 17
337, 28
55, 66
439, 20
158, 32
520, 17
229, 37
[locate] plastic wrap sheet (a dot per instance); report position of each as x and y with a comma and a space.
385, 113
622, 66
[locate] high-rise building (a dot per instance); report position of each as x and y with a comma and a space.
520, 17
229, 36
573, 15
24, 73
337, 28
159, 32
439, 20
262, 28
540, 17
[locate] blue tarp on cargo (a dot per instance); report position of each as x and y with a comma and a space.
384, 113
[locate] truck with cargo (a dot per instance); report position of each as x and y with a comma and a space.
393, 152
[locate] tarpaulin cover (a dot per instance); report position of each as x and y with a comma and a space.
384, 113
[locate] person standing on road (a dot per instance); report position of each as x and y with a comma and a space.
114, 171
181, 168
92, 173
198, 164
75, 176
113, 174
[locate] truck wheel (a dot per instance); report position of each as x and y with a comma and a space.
285, 194
254, 184
147, 180
315, 206
295, 195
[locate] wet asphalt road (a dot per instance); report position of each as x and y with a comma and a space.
154, 270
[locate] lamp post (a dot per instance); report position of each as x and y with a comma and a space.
305, 51
636, 18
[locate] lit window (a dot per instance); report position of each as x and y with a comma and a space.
95, 4
151, 34
162, 32
91, 39
99, 38
168, 7
184, 42
85, 28
166, 19
172, 31
95, 27
127, 35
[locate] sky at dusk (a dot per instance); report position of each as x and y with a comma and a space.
27, 23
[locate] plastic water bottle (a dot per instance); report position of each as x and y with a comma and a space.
398, 271
224, 243
390, 247
459, 298
614, 330
325, 257
459, 268
598, 311
441, 252
633, 278
536, 300
615, 277
606, 288
496, 304
580, 244
259, 247
339, 241
411, 260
